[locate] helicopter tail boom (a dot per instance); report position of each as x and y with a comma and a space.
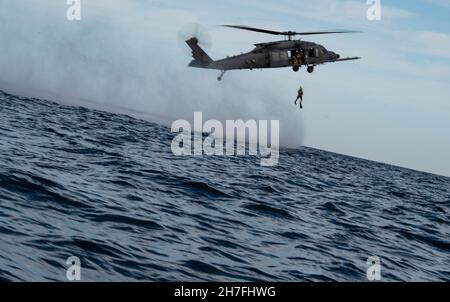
201, 58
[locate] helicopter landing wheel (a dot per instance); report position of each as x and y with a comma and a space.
295, 68
310, 69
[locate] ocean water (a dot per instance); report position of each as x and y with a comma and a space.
107, 189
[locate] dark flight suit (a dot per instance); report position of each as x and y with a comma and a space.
299, 97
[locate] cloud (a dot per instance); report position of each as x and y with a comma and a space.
123, 56
352, 12
442, 3
433, 43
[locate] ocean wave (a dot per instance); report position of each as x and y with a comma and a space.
107, 189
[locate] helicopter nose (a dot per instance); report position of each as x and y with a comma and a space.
334, 55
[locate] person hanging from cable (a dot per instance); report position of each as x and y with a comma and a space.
300, 97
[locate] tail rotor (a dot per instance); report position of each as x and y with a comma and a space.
197, 31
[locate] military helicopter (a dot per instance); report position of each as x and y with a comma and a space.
285, 53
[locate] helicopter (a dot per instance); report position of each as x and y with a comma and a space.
285, 53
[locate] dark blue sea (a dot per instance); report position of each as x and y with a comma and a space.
107, 189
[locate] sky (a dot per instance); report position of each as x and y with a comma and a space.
392, 106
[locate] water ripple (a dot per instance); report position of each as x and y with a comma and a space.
106, 188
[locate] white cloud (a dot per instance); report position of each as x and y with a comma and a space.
432, 43
338, 11
444, 3
126, 54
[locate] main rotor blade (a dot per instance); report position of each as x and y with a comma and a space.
290, 33
265, 31
327, 32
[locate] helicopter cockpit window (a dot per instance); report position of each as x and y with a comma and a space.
315, 52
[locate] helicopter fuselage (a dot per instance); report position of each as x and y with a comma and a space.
292, 53
278, 54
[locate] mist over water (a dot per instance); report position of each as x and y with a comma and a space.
124, 57
107, 188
